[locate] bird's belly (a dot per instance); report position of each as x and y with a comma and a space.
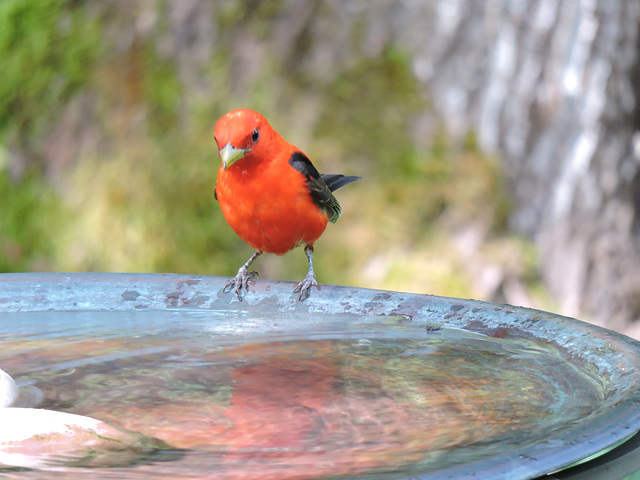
270, 227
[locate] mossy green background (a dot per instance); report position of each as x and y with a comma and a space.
140, 198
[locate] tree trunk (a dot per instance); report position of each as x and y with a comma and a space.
553, 87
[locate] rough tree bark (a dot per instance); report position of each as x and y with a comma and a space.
553, 87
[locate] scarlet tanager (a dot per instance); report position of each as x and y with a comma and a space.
271, 194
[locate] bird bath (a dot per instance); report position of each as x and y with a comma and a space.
351, 383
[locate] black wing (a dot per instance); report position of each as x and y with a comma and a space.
321, 186
335, 181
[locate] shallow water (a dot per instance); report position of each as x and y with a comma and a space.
236, 398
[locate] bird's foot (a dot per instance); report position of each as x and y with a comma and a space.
240, 283
304, 287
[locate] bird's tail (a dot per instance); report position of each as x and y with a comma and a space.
335, 181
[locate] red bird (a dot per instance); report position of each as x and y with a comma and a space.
271, 194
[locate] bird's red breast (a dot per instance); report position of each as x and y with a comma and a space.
263, 197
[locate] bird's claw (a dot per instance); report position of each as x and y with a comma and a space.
240, 283
304, 287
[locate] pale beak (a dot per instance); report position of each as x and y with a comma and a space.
230, 155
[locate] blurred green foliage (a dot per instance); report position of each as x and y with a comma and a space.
141, 199
377, 99
31, 213
161, 90
47, 49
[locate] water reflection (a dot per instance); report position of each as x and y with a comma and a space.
336, 403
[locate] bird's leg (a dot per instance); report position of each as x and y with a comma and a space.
310, 280
241, 281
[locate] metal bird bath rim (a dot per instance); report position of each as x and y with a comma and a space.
607, 354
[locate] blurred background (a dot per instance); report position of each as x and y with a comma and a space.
498, 140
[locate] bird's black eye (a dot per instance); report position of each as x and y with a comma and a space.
255, 136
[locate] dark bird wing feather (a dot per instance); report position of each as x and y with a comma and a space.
321, 186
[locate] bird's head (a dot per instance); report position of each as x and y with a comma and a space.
243, 134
